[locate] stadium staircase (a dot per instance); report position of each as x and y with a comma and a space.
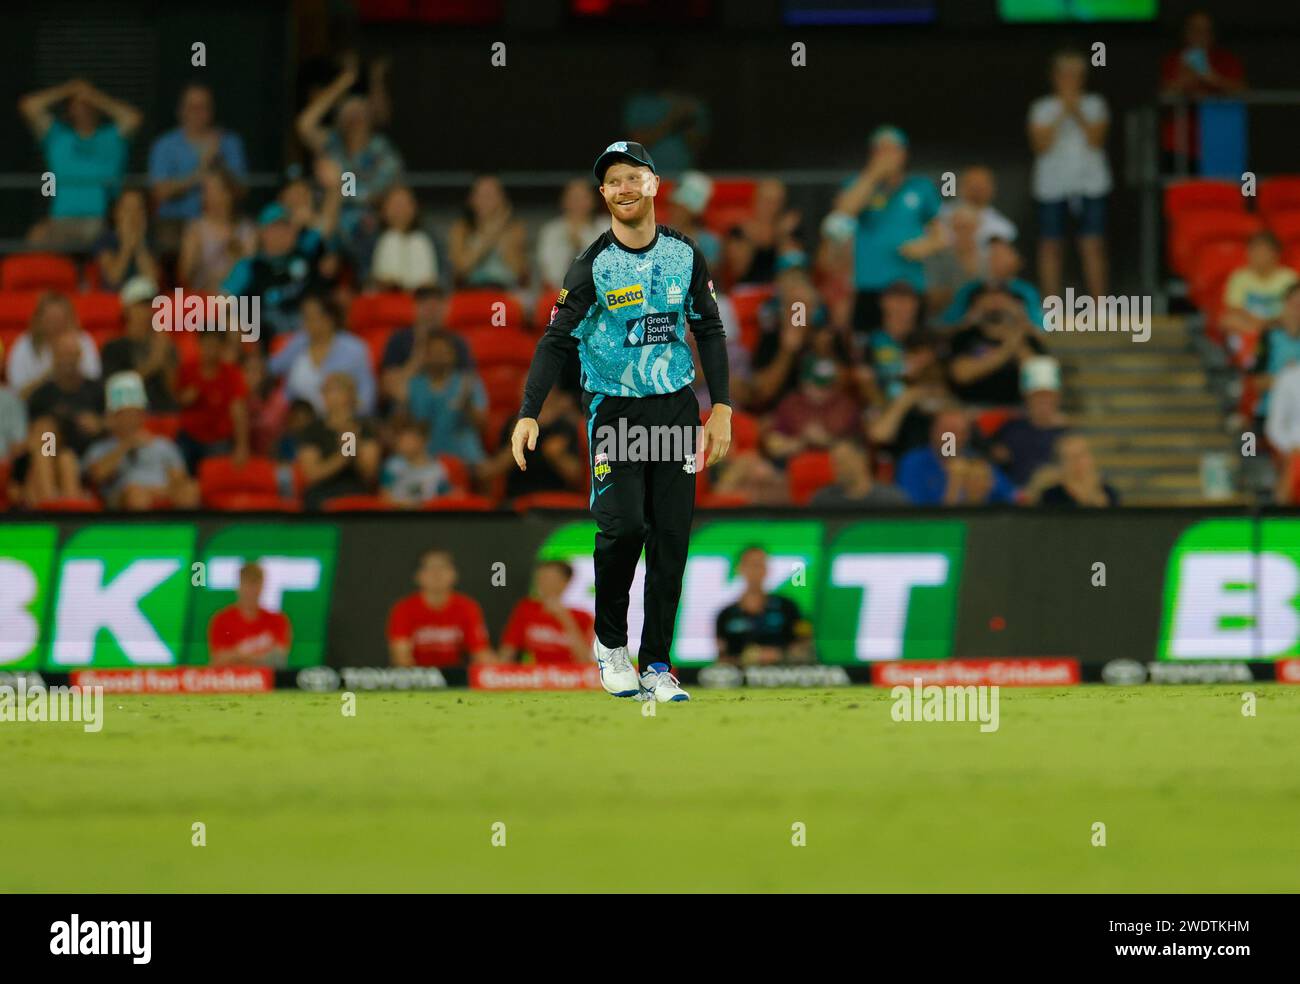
1147, 408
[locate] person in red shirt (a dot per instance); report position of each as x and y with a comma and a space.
214, 403
543, 627
1198, 69
245, 633
437, 626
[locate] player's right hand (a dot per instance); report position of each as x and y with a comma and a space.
525, 432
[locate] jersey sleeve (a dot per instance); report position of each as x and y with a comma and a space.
399, 625
513, 635
706, 326
476, 635
559, 340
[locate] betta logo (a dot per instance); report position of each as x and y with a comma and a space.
624, 296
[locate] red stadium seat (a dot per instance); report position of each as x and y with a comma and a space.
1215, 262
459, 503
504, 384
496, 421
166, 425
550, 500
748, 301
457, 471
392, 309
1280, 194
1194, 230
1286, 226
500, 347
744, 431
38, 271
99, 312
808, 471
1201, 195
542, 311
1291, 256
471, 310
71, 506
989, 422
251, 502
376, 341
722, 500
220, 476
358, 503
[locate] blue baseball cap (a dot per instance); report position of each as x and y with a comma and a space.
626, 151
888, 132
275, 212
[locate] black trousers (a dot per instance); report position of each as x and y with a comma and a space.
642, 496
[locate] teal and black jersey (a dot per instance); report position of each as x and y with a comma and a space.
626, 311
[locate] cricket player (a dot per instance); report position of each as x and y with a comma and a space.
625, 307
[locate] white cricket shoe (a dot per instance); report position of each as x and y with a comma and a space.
617, 674
659, 684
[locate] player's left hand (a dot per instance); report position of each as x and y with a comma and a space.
716, 439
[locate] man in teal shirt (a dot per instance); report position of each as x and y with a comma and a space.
893, 221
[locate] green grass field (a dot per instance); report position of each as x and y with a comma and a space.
702, 797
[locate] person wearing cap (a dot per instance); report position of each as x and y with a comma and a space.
287, 264
1026, 443
892, 218
133, 469
150, 353
626, 305
820, 412
569, 233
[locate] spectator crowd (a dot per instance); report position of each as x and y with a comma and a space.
887, 353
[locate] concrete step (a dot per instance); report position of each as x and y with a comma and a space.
1189, 440
1136, 359
1175, 420
1148, 461
1141, 400
1099, 378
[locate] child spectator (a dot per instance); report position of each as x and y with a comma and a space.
411, 475
1253, 294
214, 403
